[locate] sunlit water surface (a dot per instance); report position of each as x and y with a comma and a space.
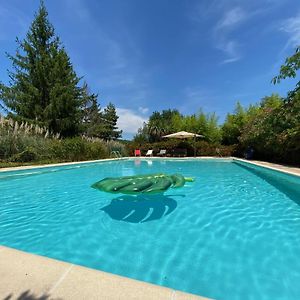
234, 233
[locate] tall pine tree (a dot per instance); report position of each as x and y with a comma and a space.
92, 121
43, 86
110, 119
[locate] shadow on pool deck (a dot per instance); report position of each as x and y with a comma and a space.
140, 209
27, 295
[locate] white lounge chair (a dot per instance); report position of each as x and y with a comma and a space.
149, 153
162, 152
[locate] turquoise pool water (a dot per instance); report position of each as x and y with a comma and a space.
232, 234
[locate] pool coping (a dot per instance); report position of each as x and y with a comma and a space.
276, 167
6, 169
272, 166
25, 275
19, 168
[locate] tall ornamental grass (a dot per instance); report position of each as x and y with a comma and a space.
23, 142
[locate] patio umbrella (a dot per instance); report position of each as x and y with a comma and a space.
184, 135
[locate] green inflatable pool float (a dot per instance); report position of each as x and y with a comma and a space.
141, 184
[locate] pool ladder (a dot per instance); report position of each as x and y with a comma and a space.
116, 154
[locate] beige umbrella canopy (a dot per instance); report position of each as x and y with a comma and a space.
184, 135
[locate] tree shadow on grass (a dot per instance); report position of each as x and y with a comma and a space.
140, 209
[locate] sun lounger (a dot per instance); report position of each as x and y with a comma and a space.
162, 152
149, 153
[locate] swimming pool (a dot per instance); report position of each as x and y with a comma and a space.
234, 233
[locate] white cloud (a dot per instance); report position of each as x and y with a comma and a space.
232, 18
230, 60
231, 48
143, 110
229, 17
292, 27
129, 121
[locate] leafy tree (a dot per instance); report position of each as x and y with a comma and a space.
155, 127
247, 122
232, 127
287, 117
142, 135
258, 127
170, 121
289, 69
167, 116
160, 123
271, 102
204, 124
110, 118
177, 122
43, 86
213, 130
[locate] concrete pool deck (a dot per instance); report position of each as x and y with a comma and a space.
28, 276
277, 167
59, 164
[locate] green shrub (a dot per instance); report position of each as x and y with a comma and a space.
96, 151
28, 155
203, 148
74, 149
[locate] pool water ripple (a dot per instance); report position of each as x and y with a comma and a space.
231, 234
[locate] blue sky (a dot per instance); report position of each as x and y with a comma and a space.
152, 55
